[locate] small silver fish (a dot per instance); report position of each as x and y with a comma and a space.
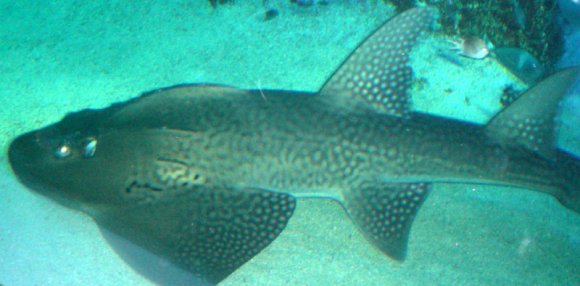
471, 47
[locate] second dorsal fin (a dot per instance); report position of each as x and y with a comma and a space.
529, 121
376, 75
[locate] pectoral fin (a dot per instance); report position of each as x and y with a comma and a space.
385, 212
208, 232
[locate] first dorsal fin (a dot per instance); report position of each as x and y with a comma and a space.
376, 74
529, 121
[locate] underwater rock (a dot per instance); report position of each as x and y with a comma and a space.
271, 14
519, 14
520, 63
570, 11
508, 95
308, 3
303, 2
215, 3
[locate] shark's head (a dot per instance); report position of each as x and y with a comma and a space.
64, 162
40, 162
118, 155
151, 205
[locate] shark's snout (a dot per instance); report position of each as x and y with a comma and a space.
26, 157
31, 159
21, 152
38, 167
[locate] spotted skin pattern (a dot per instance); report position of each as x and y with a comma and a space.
376, 73
384, 211
530, 121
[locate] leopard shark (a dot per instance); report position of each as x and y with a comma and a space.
190, 182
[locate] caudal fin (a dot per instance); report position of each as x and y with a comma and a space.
529, 121
569, 169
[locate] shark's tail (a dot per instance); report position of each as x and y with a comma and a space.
376, 77
569, 170
529, 123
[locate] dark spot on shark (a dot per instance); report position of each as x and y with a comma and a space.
136, 185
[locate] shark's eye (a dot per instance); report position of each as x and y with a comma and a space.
62, 151
90, 147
